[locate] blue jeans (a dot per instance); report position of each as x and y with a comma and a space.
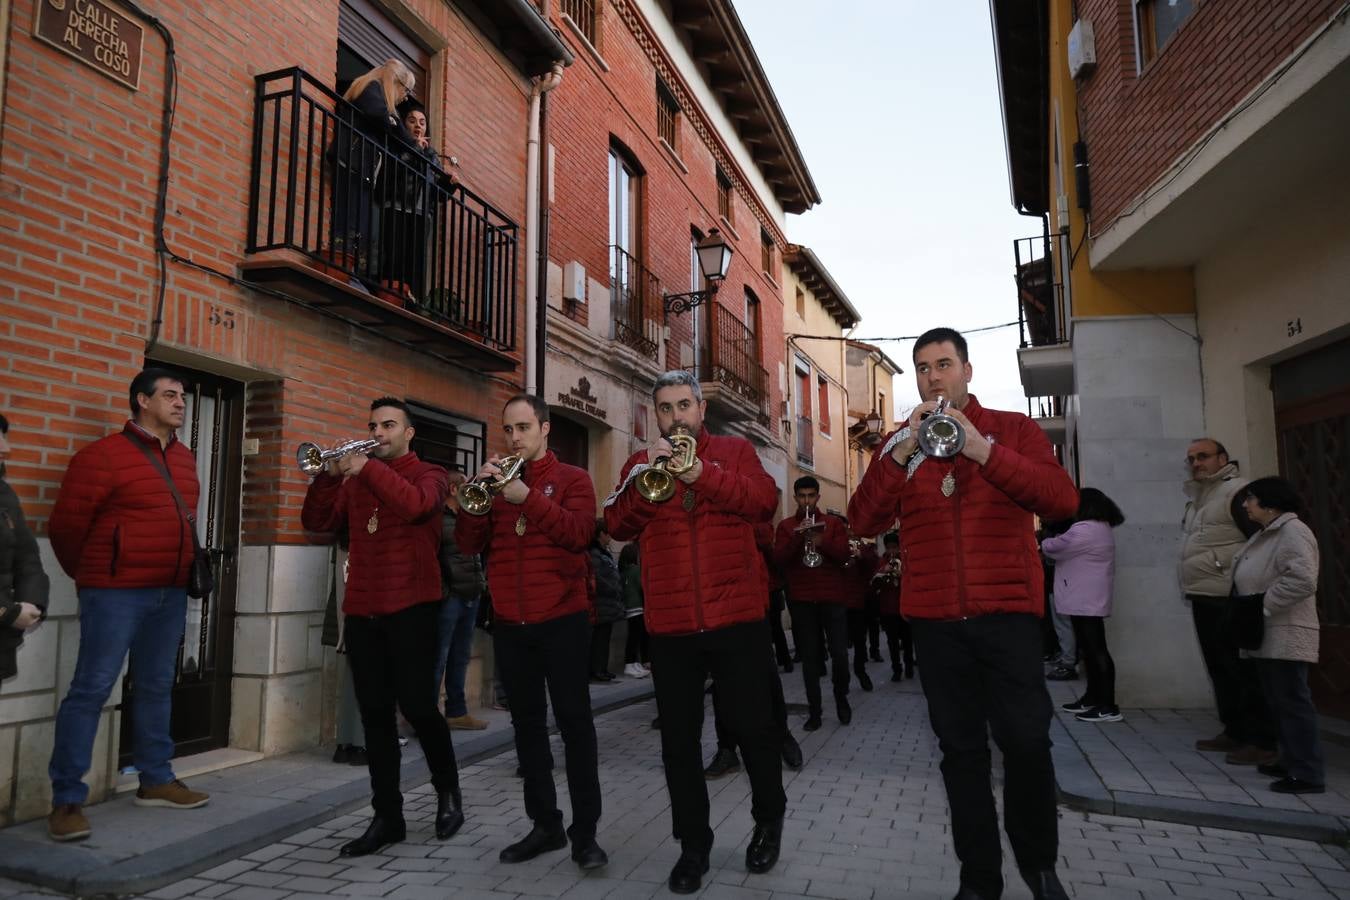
149, 623
452, 652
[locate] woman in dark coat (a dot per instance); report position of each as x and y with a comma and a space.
410, 204
23, 583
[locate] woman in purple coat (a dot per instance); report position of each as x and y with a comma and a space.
1085, 567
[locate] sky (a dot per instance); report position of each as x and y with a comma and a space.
894, 104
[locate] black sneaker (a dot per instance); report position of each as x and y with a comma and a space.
1274, 770
1100, 714
1078, 706
1291, 785
1062, 673
724, 762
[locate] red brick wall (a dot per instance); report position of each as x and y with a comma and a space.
1137, 125
590, 108
77, 263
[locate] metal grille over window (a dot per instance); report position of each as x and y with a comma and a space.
582, 12
723, 195
666, 111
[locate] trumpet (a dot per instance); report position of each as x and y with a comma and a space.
475, 497
311, 457
891, 574
940, 435
811, 557
657, 482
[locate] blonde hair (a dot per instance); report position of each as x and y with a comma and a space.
394, 77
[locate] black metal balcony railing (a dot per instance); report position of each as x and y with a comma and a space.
730, 357
380, 214
806, 440
1040, 293
635, 301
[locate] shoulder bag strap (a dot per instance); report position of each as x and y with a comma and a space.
178, 498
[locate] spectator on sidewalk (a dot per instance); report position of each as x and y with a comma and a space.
636, 655
1213, 529
23, 583
118, 530
1085, 571
607, 602
1280, 562
973, 594
462, 587
391, 503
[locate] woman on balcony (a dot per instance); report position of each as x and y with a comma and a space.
358, 153
409, 206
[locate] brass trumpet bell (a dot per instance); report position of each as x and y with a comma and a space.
940, 435
475, 497
657, 482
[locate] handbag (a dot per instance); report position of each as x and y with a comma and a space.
1247, 620
201, 577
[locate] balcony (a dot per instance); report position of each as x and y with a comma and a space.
635, 304
806, 439
373, 233
1048, 412
734, 383
1045, 358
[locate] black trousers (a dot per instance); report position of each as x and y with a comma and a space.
899, 643
725, 740
635, 649
856, 621
1286, 685
393, 663
600, 635
1089, 633
681, 665
777, 603
1238, 694
552, 656
985, 675
809, 622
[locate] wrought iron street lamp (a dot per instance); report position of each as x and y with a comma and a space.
714, 259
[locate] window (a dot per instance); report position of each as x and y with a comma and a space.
881, 408
823, 403
723, 195
802, 402
801, 303
696, 283
582, 14
752, 324
625, 182
666, 111
766, 252
449, 440
1155, 22
367, 37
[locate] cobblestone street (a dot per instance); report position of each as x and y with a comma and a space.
867, 819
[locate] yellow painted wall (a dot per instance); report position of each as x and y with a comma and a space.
1132, 293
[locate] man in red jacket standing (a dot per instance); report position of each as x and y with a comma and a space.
816, 595
706, 600
117, 530
536, 536
972, 592
391, 503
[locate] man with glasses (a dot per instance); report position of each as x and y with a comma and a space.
1212, 532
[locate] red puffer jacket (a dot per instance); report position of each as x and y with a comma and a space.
700, 568
543, 573
888, 594
397, 566
825, 583
764, 541
858, 577
115, 523
972, 553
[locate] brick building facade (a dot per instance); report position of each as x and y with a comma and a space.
249, 300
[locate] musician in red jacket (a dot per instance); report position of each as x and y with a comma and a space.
816, 594
117, 529
886, 589
536, 537
706, 597
391, 503
971, 589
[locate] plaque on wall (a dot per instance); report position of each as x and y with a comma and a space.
96, 34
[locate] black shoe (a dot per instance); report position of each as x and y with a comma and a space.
342, 754
1078, 706
1291, 785
356, 756
449, 813
762, 853
379, 834
812, 722
864, 680
724, 762
687, 876
1274, 770
1062, 673
787, 666
539, 840
601, 678
845, 711
656, 724
897, 675
876, 656
1044, 885
588, 855
968, 894
909, 671
792, 753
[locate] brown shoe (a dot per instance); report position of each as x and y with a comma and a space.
67, 823
175, 794
1219, 744
465, 722
1251, 756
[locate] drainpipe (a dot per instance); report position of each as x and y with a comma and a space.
533, 317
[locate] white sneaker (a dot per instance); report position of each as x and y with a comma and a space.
635, 670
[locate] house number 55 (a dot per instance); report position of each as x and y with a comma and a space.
224, 318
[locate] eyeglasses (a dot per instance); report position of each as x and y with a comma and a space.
1199, 457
